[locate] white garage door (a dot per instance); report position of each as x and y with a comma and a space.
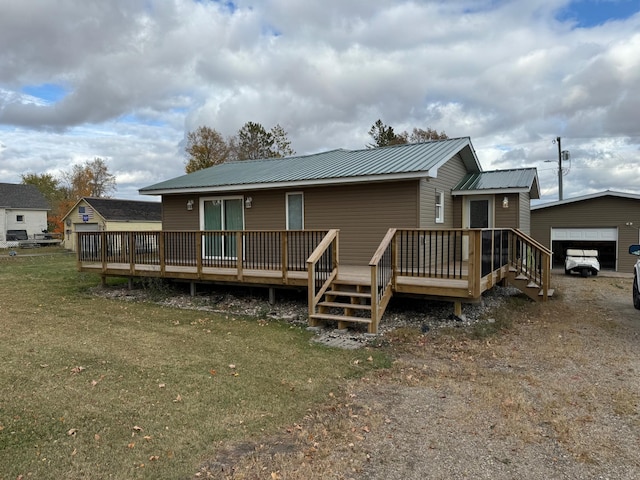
585, 234
86, 227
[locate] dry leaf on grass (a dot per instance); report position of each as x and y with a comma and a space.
77, 369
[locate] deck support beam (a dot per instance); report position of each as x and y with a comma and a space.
457, 309
272, 296
130, 283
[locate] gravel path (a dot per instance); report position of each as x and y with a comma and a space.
556, 398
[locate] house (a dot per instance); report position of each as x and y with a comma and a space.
607, 221
353, 227
110, 214
362, 193
23, 211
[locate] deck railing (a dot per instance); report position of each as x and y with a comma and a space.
478, 256
430, 253
285, 251
322, 268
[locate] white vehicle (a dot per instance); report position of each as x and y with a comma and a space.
635, 250
580, 261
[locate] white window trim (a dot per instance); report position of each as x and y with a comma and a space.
287, 207
467, 209
210, 199
439, 218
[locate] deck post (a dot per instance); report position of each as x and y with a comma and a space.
192, 289
272, 296
457, 308
373, 326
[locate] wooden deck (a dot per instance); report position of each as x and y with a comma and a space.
453, 264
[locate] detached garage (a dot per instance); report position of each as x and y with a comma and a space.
607, 221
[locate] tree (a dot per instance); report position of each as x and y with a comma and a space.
53, 192
282, 142
383, 135
253, 142
419, 135
91, 179
205, 148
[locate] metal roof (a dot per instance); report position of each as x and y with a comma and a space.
499, 181
334, 166
606, 193
27, 197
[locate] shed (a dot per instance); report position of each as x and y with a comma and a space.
110, 214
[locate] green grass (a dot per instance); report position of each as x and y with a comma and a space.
102, 388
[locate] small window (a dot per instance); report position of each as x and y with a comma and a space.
295, 211
20, 218
81, 209
439, 207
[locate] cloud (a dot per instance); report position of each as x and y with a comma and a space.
137, 74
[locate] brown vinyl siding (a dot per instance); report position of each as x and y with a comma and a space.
602, 212
176, 217
447, 177
525, 212
363, 213
506, 217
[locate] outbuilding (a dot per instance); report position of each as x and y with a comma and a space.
108, 215
606, 221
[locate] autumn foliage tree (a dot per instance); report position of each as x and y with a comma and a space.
90, 179
206, 147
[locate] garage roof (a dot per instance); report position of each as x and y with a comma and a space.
606, 193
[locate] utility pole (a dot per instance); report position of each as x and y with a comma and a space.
559, 169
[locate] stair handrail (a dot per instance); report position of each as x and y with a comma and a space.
319, 280
544, 277
382, 278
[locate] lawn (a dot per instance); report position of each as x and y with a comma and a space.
101, 388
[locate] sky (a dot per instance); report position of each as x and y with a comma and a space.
126, 80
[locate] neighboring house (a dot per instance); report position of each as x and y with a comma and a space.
22, 208
605, 221
108, 215
362, 193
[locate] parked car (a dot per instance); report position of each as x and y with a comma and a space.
635, 250
580, 261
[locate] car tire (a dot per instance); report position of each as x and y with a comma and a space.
584, 272
567, 271
594, 272
636, 293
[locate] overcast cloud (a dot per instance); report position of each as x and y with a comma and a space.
126, 79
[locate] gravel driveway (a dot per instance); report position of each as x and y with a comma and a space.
555, 397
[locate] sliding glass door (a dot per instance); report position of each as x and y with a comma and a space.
221, 215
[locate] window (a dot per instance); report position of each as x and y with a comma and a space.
439, 207
20, 218
295, 211
220, 215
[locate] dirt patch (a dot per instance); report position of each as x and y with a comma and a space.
553, 394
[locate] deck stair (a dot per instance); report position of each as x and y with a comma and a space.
523, 282
346, 302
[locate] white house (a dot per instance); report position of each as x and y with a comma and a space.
22, 209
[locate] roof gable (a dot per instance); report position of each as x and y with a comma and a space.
17, 195
500, 181
335, 166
